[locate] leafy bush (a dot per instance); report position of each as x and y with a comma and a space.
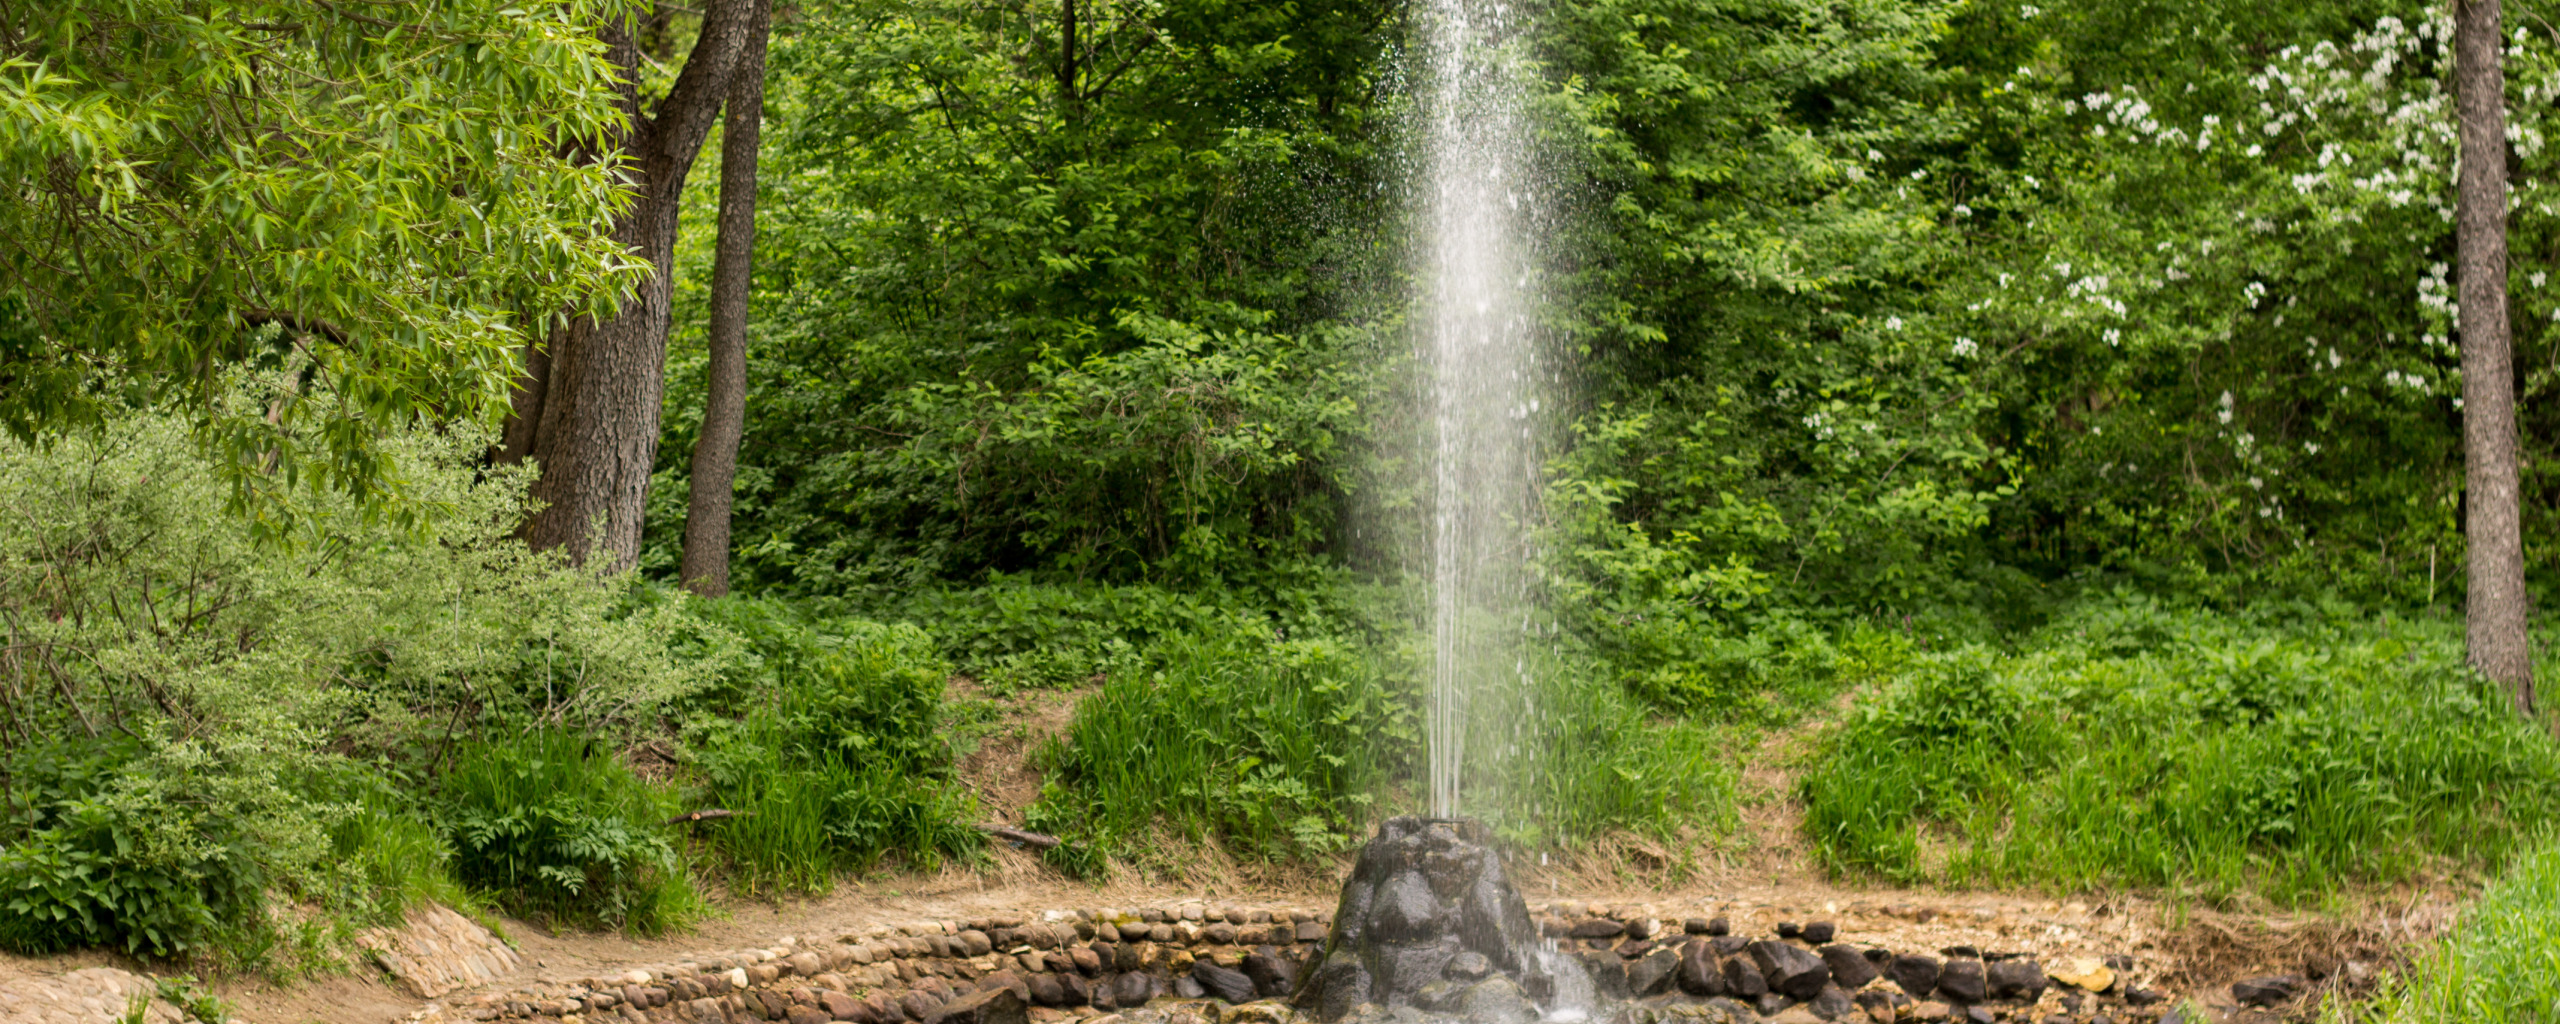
247, 677
83, 868
550, 824
838, 755
2162, 749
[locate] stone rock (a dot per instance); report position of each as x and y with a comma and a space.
1832, 1003
1496, 1001
796, 1015
975, 943
1727, 945
1259, 1013
1132, 988
1789, 929
1273, 976
2085, 974
1932, 1010
1597, 928
838, 1005
1880, 1004
1798, 1015
1820, 932
1694, 926
1977, 1015
1468, 966
1634, 948
1700, 974
1231, 986
1088, 962
2266, 991
1652, 975
1769, 1003
917, 1005
1046, 991
1608, 975
1020, 988
1963, 982
1075, 989
1422, 892
1742, 980
1188, 987
988, 1006
2139, 996
1642, 927
1850, 969
1789, 969
2017, 979
1719, 926
1309, 931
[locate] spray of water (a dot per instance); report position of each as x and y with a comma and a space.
1480, 350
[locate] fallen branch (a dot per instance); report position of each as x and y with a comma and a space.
705, 815
1019, 837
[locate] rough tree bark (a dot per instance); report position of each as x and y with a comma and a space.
714, 473
586, 409
2496, 626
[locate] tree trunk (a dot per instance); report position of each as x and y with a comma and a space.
705, 570
1068, 100
594, 422
2500, 646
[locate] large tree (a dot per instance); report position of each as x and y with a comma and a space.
2492, 522
365, 196
714, 469
586, 407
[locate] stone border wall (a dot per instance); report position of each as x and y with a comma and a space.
1068, 965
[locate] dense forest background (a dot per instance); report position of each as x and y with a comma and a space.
2076, 383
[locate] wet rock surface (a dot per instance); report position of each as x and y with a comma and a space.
1425, 893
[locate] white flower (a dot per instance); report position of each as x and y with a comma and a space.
2334, 360
2311, 447
1963, 211
2113, 335
2256, 484
2537, 278
1873, 156
1893, 323
1965, 347
2253, 149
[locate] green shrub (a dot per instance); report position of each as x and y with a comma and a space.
2156, 749
838, 757
550, 823
80, 868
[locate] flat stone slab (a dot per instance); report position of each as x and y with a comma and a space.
439, 951
91, 995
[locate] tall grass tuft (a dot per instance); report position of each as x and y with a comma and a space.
836, 755
1276, 745
2501, 964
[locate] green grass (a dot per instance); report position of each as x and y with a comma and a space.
2136, 747
1275, 745
2502, 962
832, 746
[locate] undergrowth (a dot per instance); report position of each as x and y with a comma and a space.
830, 747
2130, 745
2502, 963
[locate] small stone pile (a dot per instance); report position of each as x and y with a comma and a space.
1806, 973
1063, 966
